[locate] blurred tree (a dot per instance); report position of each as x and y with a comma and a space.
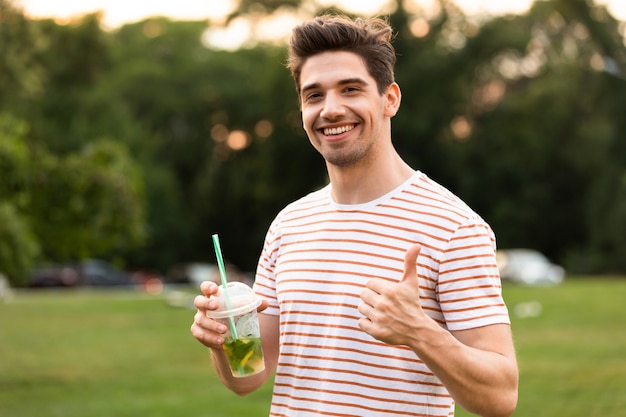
219, 119
544, 143
87, 203
19, 247
21, 76
263, 7
519, 115
239, 192
73, 56
63, 197
67, 207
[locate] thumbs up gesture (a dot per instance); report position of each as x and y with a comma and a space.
392, 311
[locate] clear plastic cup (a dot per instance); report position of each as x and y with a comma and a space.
244, 352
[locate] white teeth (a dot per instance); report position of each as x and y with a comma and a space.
338, 130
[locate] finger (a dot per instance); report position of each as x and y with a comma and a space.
366, 325
208, 339
263, 306
208, 288
207, 323
202, 302
410, 263
365, 309
376, 285
367, 295
208, 331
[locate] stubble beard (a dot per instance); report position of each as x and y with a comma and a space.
351, 156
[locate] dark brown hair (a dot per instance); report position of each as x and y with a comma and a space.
368, 38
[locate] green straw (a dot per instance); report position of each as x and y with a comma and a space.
220, 263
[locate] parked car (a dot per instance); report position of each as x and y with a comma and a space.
528, 266
195, 273
55, 276
96, 272
90, 272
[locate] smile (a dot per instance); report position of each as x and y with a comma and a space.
338, 130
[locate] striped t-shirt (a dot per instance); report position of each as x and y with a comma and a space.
318, 256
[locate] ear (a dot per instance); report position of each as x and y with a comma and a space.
393, 97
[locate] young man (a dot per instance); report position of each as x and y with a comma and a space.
381, 291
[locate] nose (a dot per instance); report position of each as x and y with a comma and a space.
333, 107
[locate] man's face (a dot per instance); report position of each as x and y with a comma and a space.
343, 114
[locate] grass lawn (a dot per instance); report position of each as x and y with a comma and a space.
117, 354
571, 345
108, 354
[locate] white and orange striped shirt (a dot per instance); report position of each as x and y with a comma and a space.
317, 257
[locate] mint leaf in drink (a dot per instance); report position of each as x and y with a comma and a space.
242, 352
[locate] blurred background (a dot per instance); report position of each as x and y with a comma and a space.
130, 132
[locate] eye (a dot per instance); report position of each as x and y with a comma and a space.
312, 96
351, 89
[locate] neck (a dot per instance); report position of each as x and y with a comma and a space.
365, 182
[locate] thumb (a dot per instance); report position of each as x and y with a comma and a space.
410, 266
264, 304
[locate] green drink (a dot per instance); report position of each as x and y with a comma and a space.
243, 339
245, 355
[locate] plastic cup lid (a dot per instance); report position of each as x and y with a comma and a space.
242, 300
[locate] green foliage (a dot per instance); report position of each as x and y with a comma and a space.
542, 155
539, 152
64, 207
21, 76
233, 193
94, 196
58, 115
14, 161
18, 246
543, 160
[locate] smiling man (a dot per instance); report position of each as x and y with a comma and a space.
381, 294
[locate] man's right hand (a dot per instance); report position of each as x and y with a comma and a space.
206, 330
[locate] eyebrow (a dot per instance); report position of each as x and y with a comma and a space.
346, 81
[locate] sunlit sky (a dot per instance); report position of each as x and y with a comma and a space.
119, 12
